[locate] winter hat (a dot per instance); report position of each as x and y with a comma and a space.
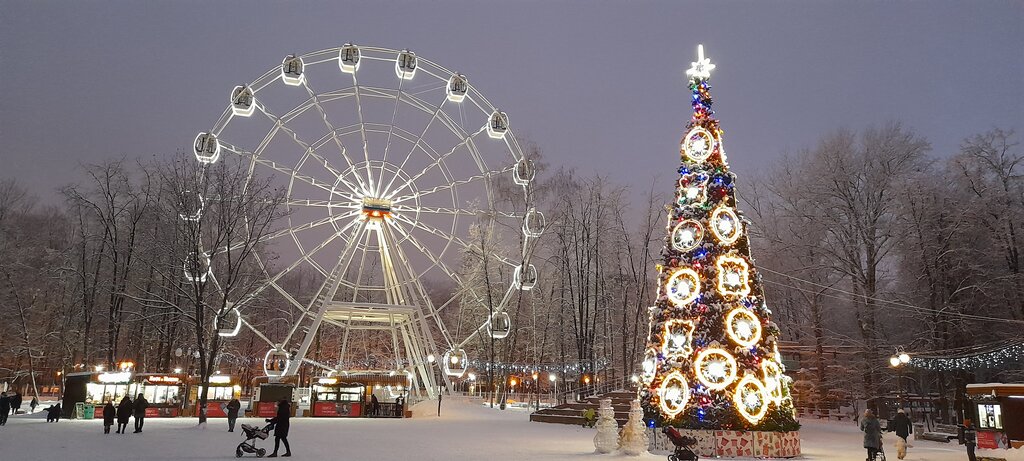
901, 411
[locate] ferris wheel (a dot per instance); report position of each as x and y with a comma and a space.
392, 166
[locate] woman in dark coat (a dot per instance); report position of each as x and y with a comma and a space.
281, 424
124, 414
872, 434
109, 413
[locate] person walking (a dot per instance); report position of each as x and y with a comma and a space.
33, 404
109, 413
141, 404
5, 408
124, 414
969, 437
281, 424
872, 434
232, 409
15, 403
374, 405
902, 426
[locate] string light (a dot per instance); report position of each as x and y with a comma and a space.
716, 368
772, 380
991, 359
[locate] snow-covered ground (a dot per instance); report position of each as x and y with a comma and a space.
464, 431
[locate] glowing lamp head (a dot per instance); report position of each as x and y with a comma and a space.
904, 358
552, 377
430, 358
894, 361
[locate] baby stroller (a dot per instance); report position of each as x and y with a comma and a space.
682, 444
252, 433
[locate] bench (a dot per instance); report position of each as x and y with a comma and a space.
942, 433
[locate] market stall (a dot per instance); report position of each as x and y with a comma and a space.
331, 397
998, 411
165, 393
223, 388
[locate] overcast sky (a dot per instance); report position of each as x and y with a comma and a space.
598, 85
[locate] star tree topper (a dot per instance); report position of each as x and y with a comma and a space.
700, 69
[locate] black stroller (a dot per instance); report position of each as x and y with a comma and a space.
682, 444
251, 434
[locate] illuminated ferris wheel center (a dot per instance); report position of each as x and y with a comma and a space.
376, 207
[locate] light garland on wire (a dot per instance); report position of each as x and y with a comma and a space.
750, 399
570, 368
991, 359
715, 368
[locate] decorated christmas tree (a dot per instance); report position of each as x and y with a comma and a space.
607, 437
633, 437
711, 360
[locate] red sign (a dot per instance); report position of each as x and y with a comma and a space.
989, 439
342, 409
266, 409
158, 412
214, 410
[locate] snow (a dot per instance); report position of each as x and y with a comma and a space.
465, 430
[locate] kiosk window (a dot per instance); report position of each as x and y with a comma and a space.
990, 416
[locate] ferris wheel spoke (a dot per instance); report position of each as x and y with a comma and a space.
391, 132
456, 211
416, 145
434, 231
436, 163
454, 184
362, 131
306, 256
308, 150
330, 126
426, 251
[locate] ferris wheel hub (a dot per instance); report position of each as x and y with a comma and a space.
376, 207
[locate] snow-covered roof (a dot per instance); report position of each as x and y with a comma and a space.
997, 389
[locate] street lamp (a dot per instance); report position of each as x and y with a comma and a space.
898, 361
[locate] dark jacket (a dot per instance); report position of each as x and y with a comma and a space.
902, 426
872, 432
141, 404
5, 405
281, 423
124, 411
233, 407
54, 411
109, 413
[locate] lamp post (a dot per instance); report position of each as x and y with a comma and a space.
897, 362
554, 388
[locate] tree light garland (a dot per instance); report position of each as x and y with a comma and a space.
674, 393
750, 399
743, 327
733, 276
678, 338
715, 368
693, 188
772, 380
725, 225
699, 144
687, 235
683, 286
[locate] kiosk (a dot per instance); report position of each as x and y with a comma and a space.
998, 411
223, 388
165, 393
331, 397
95, 389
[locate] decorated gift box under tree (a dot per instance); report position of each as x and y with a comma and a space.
711, 361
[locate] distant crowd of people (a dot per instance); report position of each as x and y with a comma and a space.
903, 427
123, 413
11, 405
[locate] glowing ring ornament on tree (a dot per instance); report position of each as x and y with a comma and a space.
678, 338
674, 394
750, 399
772, 380
715, 368
687, 235
699, 144
725, 225
693, 188
743, 327
683, 287
733, 276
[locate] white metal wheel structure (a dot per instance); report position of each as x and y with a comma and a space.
391, 164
